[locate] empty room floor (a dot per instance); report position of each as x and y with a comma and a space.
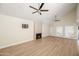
49, 46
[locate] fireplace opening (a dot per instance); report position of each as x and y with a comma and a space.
38, 35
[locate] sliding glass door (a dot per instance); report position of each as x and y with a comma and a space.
59, 31
67, 31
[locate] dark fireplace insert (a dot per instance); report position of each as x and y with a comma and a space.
38, 35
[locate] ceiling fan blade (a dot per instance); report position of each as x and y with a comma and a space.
33, 7
41, 6
43, 10
34, 12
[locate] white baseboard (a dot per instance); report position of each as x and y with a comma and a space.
5, 46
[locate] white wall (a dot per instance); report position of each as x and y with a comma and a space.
68, 20
45, 30
38, 27
77, 24
78, 13
11, 31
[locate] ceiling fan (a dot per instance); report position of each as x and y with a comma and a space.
38, 10
56, 18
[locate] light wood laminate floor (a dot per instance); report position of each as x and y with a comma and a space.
49, 46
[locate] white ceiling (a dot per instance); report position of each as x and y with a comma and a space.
22, 10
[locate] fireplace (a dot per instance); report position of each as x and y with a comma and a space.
38, 35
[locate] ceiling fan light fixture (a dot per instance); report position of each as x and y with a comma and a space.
39, 10
56, 19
